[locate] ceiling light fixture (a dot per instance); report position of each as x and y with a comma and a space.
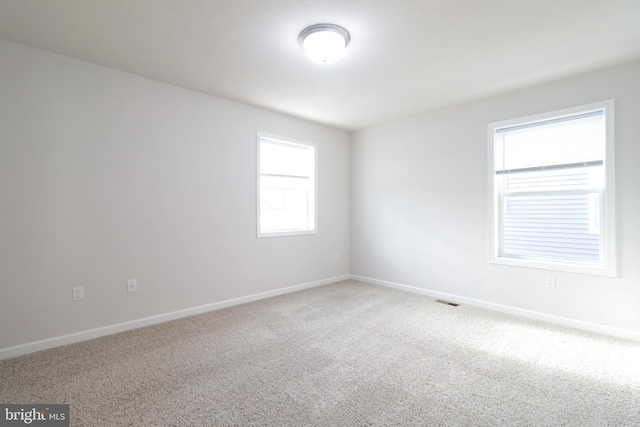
324, 43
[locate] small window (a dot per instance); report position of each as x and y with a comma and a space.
552, 202
286, 187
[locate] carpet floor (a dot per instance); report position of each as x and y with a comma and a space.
346, 354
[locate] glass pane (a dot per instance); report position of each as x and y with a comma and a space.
280, 159
552, 225
578, 178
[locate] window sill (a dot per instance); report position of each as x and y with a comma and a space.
286, 233
581, 268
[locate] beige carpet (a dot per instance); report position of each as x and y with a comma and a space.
346, 354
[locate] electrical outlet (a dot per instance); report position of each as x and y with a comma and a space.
132, 286
551, 281
78, 293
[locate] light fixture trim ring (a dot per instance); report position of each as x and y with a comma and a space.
324, 27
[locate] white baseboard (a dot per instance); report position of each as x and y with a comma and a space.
32, 347
578, 324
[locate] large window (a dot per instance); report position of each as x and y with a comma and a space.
286, 187
553, 197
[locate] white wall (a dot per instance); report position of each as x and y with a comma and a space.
419, 205
106, 176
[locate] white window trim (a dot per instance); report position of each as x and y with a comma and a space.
260, 234
608, 266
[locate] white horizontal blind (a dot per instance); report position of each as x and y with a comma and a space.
551, 183
286, 186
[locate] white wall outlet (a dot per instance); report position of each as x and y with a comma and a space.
551, 281
78, 293
132, 286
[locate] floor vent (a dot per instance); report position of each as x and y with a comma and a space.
441, 301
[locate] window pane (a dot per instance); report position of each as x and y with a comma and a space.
553, 213
555, 179
285, 203
552, 225
280, 159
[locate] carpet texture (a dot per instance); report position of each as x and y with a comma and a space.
346, 354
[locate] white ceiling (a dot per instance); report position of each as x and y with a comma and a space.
405, 57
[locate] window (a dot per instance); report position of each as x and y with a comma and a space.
553, 197
286, 187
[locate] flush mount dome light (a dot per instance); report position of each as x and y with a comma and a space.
324, 43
